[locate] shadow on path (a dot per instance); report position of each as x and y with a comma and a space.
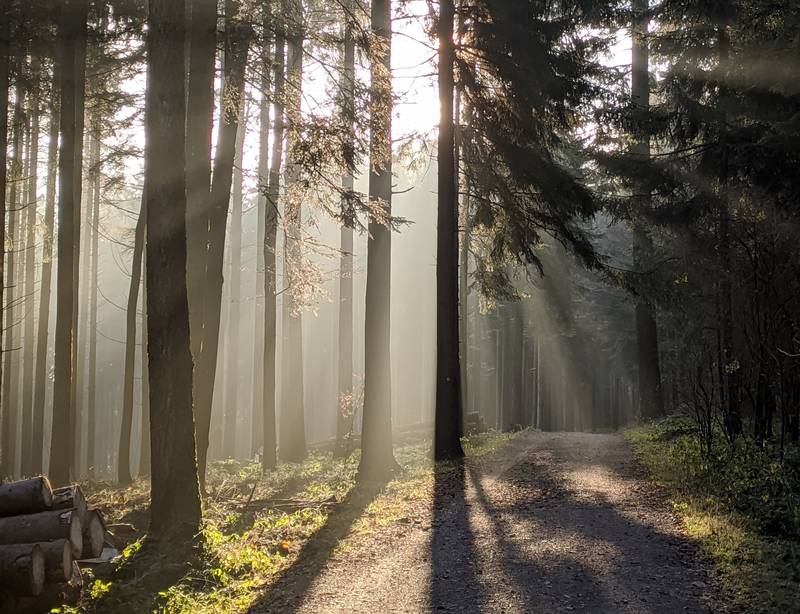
289, 591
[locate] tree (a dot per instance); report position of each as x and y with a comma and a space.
650, 398
292, 435
237, 41
345, 405
29, 446
175, 496
377, 458
269, 459
232, 390
72, 55
448, 365
200, 110
10, 379
124, 475
42, 334
257, 432
5, 431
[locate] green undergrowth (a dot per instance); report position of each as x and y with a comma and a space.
741, 507
255, 528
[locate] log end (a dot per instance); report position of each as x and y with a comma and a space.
37, 570
76, 534
94, 536
46, 492
66, 561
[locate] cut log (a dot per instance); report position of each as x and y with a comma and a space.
52, 596
94, 535
44, 526
58, 560
22, 568
70, 498
25, 497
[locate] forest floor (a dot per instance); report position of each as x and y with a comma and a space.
531, 522
548, 523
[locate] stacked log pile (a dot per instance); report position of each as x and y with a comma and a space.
44, 533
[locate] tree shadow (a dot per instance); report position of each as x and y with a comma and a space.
137, 584
633, 567
288, 592
454, 576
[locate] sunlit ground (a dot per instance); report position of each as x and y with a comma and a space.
256, 528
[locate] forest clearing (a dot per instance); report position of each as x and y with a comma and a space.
399, 305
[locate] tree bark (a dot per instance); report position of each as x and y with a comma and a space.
257, 406
72, 39
270, 457
650, 396
200, 112
22, 568
175, 496
232, 389
5, 431
292, 439
30, 449
124, 474
345, 408
41, 527
40, 378
237, 38
10, 409
447, 443
94, 230
377, 459
25, 497
144, 444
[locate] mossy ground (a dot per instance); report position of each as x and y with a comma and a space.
255, 528
759, 569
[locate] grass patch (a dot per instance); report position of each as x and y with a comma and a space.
243, 549
740, 510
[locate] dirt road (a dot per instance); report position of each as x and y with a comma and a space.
550, 523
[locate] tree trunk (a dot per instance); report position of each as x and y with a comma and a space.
124, 474
448, 366
144, 444
175, 496
10, 409
72, 38
257, 407
237, 38
345, 407
5, 431
292, 440
650, 396
232, 390
377, 458
29, 448
200, 112
270, 458
40, 379
25, 497
94, 230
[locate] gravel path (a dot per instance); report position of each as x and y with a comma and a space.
550, 523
